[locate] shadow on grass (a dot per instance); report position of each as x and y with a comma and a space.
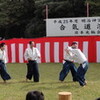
50, 85
15, 82
36, 83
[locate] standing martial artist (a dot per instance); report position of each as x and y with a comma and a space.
80, 58
4, 75
31, 55
68, 65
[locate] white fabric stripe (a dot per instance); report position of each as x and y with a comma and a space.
21, 56
77, 44
47, 52
6, 49
98, 51
85, 48
65, 44
38, 46
56, 51
28, 45
13, 56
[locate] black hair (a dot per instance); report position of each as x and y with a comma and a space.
2, 44
35, 95
30, 42
74, 43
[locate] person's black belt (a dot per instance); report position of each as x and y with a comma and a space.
31, 60
68, 61
1, 60
83, 62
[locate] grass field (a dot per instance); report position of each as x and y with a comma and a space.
17, 88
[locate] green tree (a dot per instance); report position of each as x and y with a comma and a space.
17, 13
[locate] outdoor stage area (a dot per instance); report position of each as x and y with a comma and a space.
16, 88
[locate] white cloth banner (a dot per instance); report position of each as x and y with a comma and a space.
83, 26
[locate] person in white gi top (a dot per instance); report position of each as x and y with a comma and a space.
80, 58
68, 65
3, 72
31, 55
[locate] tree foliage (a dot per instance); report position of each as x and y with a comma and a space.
16, 14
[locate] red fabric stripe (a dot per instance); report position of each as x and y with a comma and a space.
80, 45
92, 51
51, 52
60, 51
17, 52
42, 52
24, 48
69, 43
9, 53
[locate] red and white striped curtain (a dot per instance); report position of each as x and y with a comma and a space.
52, 48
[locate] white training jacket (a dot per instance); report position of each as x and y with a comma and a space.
3, 56
78, 56
31, 53
68, 56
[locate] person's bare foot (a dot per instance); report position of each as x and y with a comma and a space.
60, 81
84, 86
26, 80
5, 81
85, 82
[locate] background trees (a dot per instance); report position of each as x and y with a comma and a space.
14, 16
25, 18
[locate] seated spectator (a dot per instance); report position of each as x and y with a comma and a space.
35, 95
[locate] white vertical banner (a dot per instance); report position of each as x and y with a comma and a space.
6, 50
21, 52
38, 46
85, 48
47, 52
56, 51
13, 53
65, 45
98, 51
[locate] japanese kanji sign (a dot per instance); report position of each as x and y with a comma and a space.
82, 26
